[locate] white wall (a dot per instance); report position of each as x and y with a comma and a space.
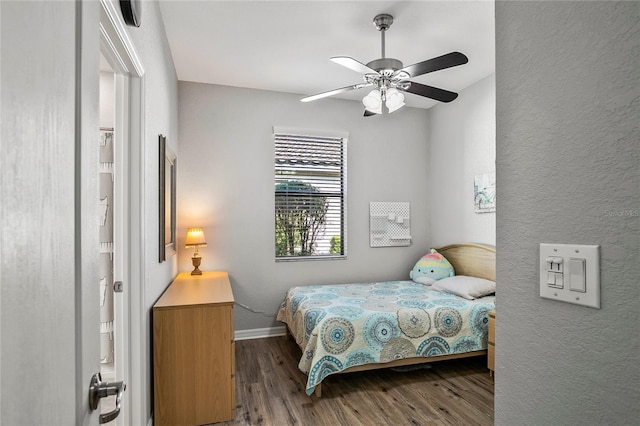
225, 185
463, 145
107, 96
568, 108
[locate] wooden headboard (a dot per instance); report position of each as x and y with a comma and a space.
474, 260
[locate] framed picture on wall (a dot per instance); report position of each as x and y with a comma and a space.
167, 201
484, 193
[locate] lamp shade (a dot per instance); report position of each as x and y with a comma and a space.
395, 99
373, 102
195, 238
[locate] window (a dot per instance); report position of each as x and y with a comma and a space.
310, 188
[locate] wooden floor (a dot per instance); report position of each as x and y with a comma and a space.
270, 391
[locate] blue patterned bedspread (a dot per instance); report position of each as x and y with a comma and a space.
341, 326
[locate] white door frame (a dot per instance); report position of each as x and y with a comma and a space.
119, 51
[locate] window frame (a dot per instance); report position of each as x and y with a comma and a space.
284, 132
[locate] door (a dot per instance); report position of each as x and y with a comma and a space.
48, 210
48, 189
87, 211
111, 250
114, 229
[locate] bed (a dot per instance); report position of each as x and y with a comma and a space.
365, 326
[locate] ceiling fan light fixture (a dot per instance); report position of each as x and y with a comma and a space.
373, 102
395, 100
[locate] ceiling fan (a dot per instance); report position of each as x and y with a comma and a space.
390, 77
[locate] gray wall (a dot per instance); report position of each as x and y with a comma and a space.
568, 162
225, 178
463, 144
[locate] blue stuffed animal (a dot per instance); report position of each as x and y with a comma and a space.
430, 268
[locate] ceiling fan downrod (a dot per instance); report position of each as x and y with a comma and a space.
382, 23
385, 66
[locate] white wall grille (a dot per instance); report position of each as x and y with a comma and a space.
389, 224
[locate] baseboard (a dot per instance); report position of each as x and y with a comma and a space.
259, 333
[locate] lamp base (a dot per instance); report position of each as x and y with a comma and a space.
196, 264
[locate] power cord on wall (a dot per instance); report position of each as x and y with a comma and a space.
255, 311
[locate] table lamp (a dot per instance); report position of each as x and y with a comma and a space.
195, 238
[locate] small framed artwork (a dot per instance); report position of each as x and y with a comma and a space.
167, 201
484, 193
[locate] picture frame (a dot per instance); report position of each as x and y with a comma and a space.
484, 193
167, 163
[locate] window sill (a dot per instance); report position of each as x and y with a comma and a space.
310, 258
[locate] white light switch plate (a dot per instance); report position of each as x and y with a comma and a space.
591, 254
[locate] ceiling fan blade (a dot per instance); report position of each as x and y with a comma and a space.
334, 92
368, 113
354, 65
430, 92
449, 60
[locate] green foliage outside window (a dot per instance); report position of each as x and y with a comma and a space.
336, 246
300, 217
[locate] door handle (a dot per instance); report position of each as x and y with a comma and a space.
99, 389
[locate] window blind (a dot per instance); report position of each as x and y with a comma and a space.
310, 182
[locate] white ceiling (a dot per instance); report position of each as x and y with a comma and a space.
285, 46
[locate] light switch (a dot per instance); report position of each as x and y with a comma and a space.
555, 279
570, 273
577, 270
559, 279
554, 263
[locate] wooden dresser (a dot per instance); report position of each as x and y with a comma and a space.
194, 351
491, 347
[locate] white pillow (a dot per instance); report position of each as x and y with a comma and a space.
464, 286
424, 280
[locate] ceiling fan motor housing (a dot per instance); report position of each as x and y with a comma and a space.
383, 65
389, 73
